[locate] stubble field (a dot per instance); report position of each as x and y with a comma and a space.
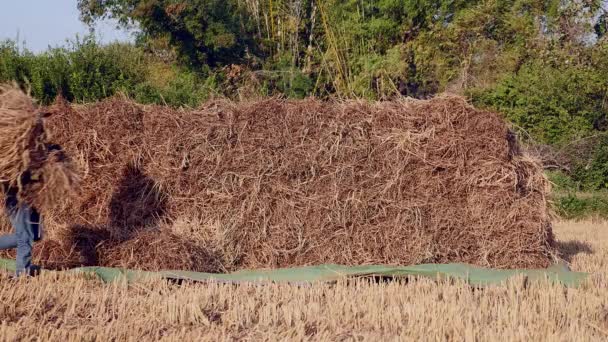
60, 307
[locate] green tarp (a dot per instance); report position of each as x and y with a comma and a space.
473, 275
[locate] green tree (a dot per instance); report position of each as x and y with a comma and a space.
204, 32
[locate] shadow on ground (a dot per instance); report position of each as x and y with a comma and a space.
569, 249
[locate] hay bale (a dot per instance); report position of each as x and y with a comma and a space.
21, 134
309, 182
25, 151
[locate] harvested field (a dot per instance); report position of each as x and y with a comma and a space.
68, 308
283, 183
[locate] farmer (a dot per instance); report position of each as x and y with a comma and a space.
34, 174
27, 228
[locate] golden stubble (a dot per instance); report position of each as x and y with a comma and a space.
61, 307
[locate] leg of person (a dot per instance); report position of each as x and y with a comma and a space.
26, 222
8, 241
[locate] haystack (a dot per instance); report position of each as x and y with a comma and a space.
280, 183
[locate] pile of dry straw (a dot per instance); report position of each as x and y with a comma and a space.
42, 175
280, 183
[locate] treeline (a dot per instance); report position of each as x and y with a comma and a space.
544, 64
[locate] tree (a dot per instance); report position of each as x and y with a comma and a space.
204, 32
601, 26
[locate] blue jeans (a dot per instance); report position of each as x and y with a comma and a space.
28, 229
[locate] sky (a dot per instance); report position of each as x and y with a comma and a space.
44, 23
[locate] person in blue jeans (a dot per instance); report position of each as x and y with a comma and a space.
27, 230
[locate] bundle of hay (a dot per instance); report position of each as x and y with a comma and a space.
28, 162
281, 183
21, 134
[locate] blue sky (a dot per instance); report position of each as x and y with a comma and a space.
41, 23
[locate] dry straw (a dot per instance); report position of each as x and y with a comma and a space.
20, 133
286, 183
24, 150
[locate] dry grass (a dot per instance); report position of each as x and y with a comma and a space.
294, 183
66, 308
25, 152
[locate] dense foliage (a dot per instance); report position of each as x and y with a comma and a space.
85, 71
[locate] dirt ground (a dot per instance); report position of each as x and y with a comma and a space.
58, 307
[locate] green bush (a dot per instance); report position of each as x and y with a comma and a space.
185, 88
580, 206
85, 71
562, 182
554, 104
592, 172
584, 165
15, 63
82, 71
282, 78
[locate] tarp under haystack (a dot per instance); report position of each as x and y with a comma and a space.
280, 183
309, 275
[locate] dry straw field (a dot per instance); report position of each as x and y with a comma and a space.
58, 307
